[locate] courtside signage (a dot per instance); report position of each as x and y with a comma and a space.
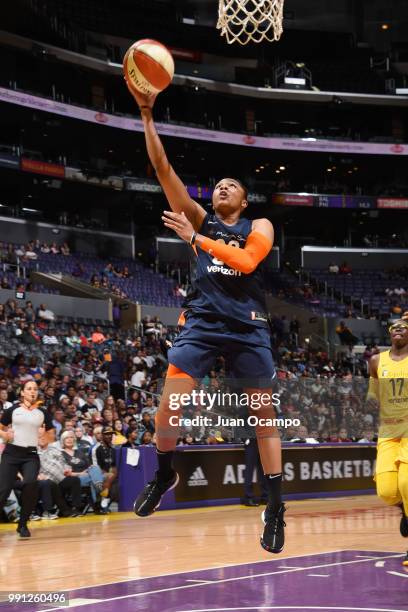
197, 478
209, 473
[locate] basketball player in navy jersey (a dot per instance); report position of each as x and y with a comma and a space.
225, 314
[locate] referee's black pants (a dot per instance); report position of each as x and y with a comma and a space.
23, 460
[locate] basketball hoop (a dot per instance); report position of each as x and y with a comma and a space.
245, 21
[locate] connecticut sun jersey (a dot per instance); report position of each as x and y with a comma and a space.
221, 290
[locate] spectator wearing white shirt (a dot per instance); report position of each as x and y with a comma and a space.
138, 379
88, 374
368, 419
58, 421
91, 406
368, 436
137, 359
45, 314
317, 387
149, 406
79, 399
302, 435
96, 401
30, 254
149, 360
49, 339
152, 326
306, 401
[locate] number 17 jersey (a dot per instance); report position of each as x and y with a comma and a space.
393, 395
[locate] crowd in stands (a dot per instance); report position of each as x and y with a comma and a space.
87, 387
89, 362
340, 291
337, 291
124, 278
395, 241
10, 253
102, 387
105, 280
328, 396
128, 280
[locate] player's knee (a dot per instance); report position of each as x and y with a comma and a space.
387, 488
177, 388
388, 498
403, 479
162, 418
167, 418
263, 420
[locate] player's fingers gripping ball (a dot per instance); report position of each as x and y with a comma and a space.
148, 66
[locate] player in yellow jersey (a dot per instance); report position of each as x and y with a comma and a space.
389, 386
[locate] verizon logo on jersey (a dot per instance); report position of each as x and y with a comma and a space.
226, 271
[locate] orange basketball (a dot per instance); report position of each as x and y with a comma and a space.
148, 66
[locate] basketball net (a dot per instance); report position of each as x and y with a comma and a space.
244, 21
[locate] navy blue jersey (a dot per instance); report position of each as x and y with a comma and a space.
221, 290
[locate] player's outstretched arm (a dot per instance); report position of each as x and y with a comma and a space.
173, 187
373, 393
265, 227
373, 365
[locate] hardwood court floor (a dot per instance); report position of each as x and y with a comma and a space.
81, 552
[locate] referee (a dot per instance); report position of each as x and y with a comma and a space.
20, 427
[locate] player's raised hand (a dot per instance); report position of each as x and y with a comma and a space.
141, 99
179, 223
